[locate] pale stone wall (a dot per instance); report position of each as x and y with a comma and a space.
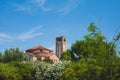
54, 58
31, 58
34, 58
60, 45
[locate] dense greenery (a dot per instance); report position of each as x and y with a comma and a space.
93, 58
98, 58
16, 71
32, 71
47, 71
13, 54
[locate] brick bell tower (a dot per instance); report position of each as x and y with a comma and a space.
60, 45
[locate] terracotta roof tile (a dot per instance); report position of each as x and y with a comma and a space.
42, 55
39, 47
30, 54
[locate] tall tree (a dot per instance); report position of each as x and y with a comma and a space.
98, 60
14, 54
66, 55
1, 57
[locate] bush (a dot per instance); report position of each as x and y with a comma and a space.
24, 69
8, 72
47, 71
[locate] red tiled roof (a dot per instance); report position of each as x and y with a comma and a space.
42, 55
39, 47
30, 54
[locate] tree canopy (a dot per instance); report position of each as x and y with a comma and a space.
93, 58
13, 54
98, 59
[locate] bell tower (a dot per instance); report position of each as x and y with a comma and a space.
60, 45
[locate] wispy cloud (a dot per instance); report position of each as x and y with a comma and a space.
30, 34
70, 5
32, 6
22, 8
5, 37
40, 4
20, 37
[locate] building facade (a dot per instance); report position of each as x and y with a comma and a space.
60, 45
41, 53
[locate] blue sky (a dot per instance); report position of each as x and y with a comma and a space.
27, 23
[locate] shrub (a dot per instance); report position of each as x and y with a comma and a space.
47, 71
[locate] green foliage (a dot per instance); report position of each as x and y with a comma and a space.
8, 72
98, 58
13, 54
1, 57
24, 69
16, 71
93, 70
67, 55
93, 44
94, 33
46, 71
48, 60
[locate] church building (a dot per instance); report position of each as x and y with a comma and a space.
40, 53
60, 45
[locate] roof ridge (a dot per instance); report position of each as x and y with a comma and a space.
39, 47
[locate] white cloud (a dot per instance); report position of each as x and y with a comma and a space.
23, 8
71, 4
45, 9
39, 2
31, 6
30, 34
3, 35
5, 38
20, 37
41, 5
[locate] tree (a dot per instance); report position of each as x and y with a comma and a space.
24, 69
94, 43
47, 71
98, 58
8, 72
1, 57
14, 54
16, 71
67, 55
